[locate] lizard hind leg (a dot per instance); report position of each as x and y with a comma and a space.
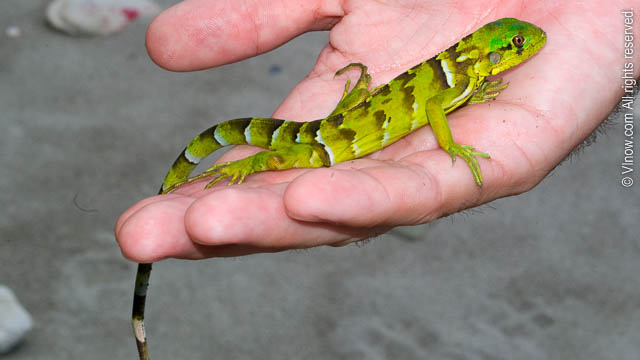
289, 157
358, 94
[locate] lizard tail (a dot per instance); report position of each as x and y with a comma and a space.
137, 316
251, 131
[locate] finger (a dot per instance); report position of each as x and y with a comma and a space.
255, 216
188, 190
132, 210
379, 193
198, 34
154, 229
229, 221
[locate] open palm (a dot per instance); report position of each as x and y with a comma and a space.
554, 101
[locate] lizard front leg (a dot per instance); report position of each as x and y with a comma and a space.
438, 121
488, 90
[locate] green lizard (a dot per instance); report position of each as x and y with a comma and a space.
363, 122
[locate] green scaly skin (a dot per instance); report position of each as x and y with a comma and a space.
363, 122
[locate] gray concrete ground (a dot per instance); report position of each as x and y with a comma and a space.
92, 124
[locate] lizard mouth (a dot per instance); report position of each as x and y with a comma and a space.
538, 41
541, 41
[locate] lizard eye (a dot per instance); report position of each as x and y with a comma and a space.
518, 40
494, 58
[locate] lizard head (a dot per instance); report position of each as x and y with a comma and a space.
501, 45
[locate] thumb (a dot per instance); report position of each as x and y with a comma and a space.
199, 34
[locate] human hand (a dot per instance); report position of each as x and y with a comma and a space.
554, 101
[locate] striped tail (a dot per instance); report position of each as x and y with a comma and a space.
252, 131
137, 316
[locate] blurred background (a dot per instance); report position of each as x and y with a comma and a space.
89, 125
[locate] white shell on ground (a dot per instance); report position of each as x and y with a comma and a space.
97, 17
15, 321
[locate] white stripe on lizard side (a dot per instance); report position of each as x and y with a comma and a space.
447, 73
414, 124
385, 138
385, 124
464, 94
356, 149
326, 148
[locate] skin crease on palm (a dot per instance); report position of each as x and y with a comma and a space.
554, 101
